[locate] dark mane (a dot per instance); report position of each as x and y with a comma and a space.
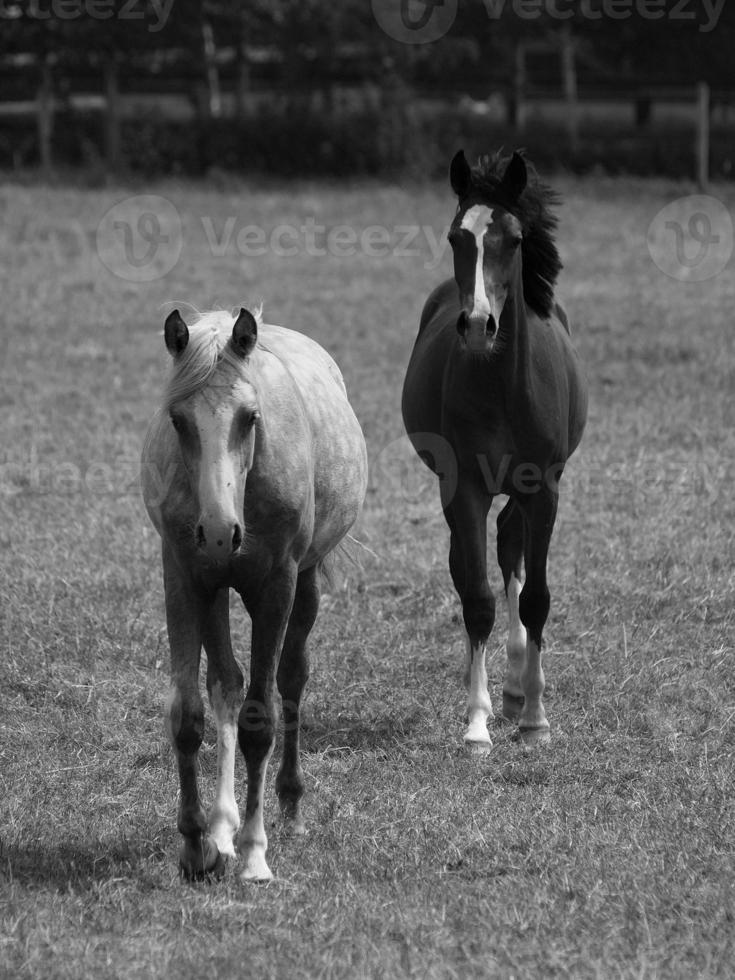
541, 262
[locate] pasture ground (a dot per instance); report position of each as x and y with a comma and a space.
610, 855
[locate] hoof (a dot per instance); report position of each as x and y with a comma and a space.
201, 860
512, 706
256, 870
294, 827
533, 737
475, 748
293, 822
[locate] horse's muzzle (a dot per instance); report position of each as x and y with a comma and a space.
218, 542
477, 332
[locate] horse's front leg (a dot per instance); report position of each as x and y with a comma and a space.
533, 607
185, 610
269, 611
224, 684
466, 515
511, 536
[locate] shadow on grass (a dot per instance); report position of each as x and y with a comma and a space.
358, 733
76, 866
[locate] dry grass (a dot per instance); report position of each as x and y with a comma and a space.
609, 855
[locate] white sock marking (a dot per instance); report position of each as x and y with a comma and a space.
224, 817
479, 706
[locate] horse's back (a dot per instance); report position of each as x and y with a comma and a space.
304, 357
303, 381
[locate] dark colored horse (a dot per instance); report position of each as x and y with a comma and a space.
253, 471
495, 402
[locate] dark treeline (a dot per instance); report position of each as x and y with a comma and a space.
314, 86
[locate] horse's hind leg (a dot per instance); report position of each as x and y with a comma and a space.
534, 609
510, 559
293, 673
185, 716
224, 684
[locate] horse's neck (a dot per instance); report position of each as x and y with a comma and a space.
514, 339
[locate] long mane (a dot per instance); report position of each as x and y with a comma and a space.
194, 367
541, 261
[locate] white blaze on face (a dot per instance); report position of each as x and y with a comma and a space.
217, 475
477, 220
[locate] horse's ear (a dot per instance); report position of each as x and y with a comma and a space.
176, 333
244, 333
515, 177
460, 175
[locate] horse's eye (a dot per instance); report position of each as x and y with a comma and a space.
178, 423
250, 418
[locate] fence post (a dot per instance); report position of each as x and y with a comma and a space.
517, 109
702, 135
569, 72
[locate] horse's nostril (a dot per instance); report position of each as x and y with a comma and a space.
491, 325
236, 538
199, 536
462, 323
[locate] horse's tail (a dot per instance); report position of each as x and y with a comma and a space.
348, 550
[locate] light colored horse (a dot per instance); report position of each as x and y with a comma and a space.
253, 471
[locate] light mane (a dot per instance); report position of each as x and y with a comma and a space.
208, 340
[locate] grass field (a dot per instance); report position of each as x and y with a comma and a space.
611, 854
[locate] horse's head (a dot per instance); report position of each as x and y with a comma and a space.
215, 423
485, 237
